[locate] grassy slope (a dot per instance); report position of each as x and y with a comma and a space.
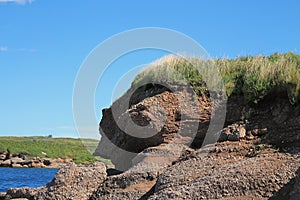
252, 77
53, 147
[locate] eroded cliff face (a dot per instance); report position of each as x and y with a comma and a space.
255, 154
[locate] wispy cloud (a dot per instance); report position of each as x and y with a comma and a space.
3, 48
17, 1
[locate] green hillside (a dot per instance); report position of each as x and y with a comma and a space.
53, 147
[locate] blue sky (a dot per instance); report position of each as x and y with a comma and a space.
43, 43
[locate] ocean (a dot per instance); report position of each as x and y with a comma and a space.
25, 177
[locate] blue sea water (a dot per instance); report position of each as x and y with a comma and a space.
25, 177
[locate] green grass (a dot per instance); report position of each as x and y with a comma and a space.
53, 147
252, 77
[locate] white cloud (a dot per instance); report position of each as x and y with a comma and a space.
3, 48
17, 1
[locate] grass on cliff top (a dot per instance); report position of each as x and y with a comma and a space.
252, 77
53, 147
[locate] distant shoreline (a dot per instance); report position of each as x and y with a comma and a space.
48, 152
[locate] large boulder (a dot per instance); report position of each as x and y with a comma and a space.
6, 163
73, 182
70, 182
16, 160
234, 132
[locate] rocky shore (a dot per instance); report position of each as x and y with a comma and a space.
256, 154
71, 182
22, 161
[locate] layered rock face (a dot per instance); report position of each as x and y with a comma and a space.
152, 118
